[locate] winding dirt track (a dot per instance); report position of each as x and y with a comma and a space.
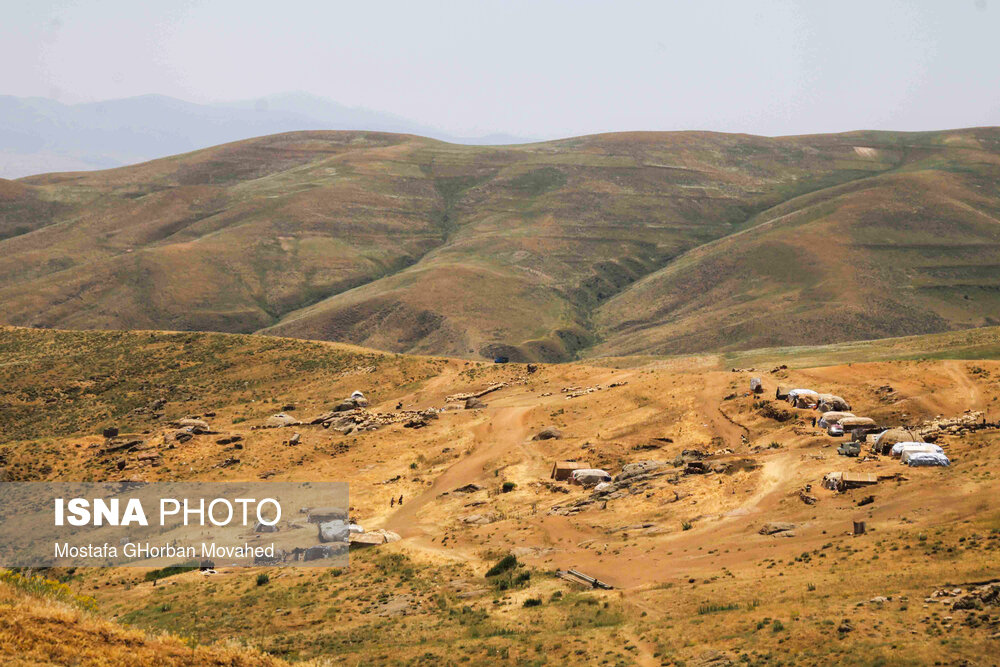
495, 437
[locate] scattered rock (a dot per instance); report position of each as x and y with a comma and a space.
979, 597
687, 456
111, 432
774, 527
196, 426
630, 470
281, 419
468, 488
294, 440
695, 468
480, 519
473, 403
550, 433
712, 658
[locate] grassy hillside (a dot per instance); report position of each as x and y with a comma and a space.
608, 244
695, 580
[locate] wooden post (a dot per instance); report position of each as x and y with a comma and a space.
859, 527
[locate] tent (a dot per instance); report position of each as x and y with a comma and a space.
803, 397
841, 481
564, 469
781, 393
925, 459
901, 448
832, 417
755, 386
831, 480
590, 476
829, 402
858, 424
886, 439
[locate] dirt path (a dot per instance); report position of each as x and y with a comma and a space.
969, 389
503, 430
710, 400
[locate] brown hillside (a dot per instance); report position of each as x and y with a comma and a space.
607, 244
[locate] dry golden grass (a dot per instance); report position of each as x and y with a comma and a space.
691, 572
605, 245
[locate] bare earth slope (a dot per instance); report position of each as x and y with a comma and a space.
695, 581
607, 244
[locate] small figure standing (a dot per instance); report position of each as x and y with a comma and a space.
392, 501
400, 499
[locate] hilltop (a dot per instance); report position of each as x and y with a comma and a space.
605, 245
695, 580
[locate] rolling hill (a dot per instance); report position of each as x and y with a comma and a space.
634, 243
701, 470
40, 135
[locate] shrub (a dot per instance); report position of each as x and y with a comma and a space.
533, 602
170, 571
508, 562
263, 578
507, 487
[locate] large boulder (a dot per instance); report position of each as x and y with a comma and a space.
630, 470
549, 433
983, 596
687, 456
774, 527
196, 426
182, 435
281, 419
333, 531
319, 552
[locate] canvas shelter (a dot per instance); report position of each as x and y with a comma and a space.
563, 470
829, 402
832, 417
590, 476
901, 448
886, 439
925, 459
841, 481
795, 396
856, 480
855, 425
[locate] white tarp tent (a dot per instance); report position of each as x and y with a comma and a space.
832, 417
808, 394
590, 476
925, 459
902, 447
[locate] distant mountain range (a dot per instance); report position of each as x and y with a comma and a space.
39, 135
605, 245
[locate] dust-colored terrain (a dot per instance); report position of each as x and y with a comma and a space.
694, 580
617, 244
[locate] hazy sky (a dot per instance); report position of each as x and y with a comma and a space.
538, 69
